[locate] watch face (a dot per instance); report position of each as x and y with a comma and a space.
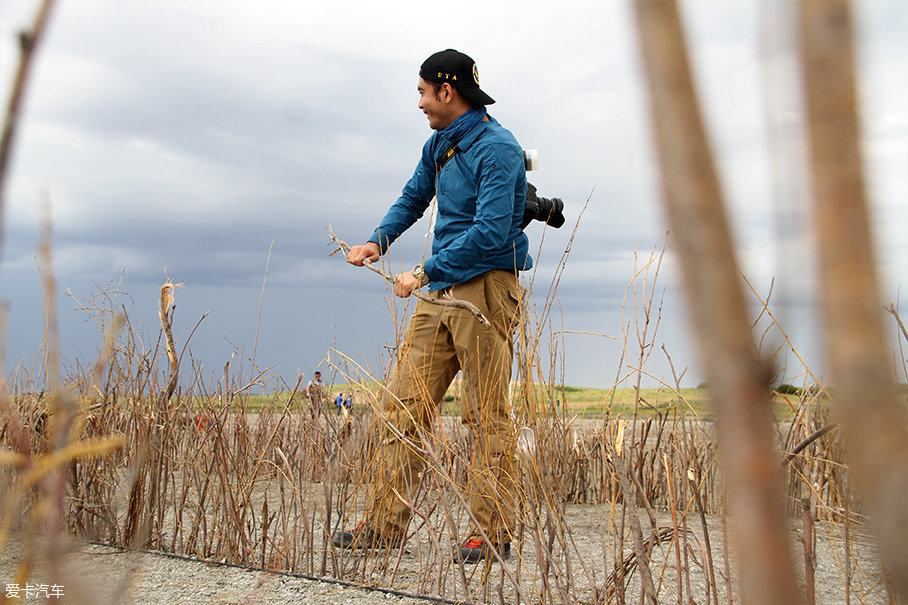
420, 274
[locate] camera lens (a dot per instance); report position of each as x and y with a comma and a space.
551, 211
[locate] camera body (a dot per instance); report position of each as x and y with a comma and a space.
548, 210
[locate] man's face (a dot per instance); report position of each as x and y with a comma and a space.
434, 106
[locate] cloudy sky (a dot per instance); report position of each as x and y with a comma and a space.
212, 143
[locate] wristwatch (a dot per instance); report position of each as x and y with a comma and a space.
420, 274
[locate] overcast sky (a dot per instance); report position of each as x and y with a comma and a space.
188, 139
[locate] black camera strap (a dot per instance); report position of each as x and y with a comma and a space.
450, 153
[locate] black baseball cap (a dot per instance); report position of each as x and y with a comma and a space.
458, 70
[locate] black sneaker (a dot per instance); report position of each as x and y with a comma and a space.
475, 550
362, 536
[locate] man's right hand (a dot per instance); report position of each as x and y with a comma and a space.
367, 252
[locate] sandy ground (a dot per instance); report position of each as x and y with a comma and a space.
93, 574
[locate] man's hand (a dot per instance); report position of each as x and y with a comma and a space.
367, 252
405, 283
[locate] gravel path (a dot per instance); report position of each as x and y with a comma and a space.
100, 575
97, 575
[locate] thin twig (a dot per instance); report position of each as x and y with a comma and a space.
898, 320
258, 321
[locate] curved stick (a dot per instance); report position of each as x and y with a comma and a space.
446, 301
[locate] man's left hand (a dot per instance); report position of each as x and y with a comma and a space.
405, 283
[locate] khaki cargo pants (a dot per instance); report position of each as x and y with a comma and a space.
440, 342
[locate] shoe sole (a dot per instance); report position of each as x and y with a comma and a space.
483, 554
361, 543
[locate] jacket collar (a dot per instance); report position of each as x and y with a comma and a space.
469, 138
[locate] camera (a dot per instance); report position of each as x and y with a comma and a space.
549, 211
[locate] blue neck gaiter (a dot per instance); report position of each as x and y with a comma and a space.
462, 125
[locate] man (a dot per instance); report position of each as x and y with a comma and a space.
315, 393
476, 170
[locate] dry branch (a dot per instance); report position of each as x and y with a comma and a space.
873, 418
28, 42
446, 301
808, 440
738, 377
166, 325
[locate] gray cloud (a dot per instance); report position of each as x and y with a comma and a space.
196, 136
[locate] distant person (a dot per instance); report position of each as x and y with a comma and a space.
348, 418
339, 402
315, 392
475, 169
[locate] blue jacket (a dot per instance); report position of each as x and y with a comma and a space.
481, 200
